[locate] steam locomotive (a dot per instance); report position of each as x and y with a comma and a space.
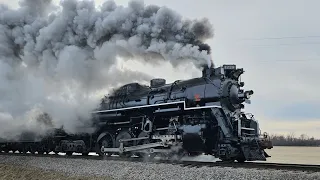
191, 117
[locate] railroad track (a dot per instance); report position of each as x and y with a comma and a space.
187, 163
278, 166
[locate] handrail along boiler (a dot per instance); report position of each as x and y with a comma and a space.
195, 116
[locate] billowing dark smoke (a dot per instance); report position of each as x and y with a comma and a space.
55, 59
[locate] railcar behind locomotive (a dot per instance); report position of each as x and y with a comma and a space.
189, 117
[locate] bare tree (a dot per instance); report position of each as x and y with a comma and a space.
291, 140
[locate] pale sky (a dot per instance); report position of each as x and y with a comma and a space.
276, 42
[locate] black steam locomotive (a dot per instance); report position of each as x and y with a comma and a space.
190, 117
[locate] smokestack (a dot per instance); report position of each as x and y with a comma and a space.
207, 70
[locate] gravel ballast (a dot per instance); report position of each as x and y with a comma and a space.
15, 172
138, 170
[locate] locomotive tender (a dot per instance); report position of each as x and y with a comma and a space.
195, 116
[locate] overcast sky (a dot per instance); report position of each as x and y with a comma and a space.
277, 43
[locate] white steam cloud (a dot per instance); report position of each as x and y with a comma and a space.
55, 59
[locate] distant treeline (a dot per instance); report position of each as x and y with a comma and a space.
291, 140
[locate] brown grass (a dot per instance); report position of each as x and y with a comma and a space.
14, 172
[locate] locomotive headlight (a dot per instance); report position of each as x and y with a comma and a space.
248, 94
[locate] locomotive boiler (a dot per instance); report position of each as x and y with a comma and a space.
195, 116
201, 115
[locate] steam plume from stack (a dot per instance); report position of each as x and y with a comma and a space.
53, 59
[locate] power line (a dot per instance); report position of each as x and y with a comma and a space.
294, 60
290, 60
283, 61
272, 38
286, 44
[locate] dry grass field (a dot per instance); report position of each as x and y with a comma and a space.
13, 172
